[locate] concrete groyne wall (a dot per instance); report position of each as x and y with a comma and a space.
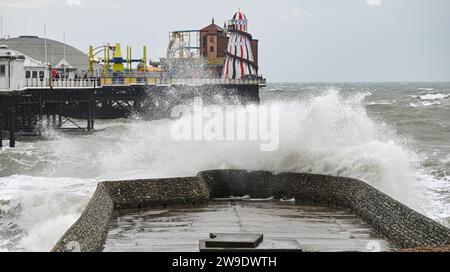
401, 225
89, 232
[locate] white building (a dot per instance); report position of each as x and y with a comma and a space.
60, 56
12, 72
35, 70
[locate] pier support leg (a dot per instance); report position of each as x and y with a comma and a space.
41, 112
60, 106
1, 136
89, 116
92, 114
12, 128
54, 121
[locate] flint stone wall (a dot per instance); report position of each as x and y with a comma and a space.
401, 225
88, 234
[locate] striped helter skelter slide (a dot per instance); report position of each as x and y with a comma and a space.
239, 60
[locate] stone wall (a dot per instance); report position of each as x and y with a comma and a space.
401, 225
88, 234
157, 193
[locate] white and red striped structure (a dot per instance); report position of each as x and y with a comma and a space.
239, 61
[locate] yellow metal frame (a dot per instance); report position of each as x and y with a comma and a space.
91, 60
106, 60
117, 54
117, 67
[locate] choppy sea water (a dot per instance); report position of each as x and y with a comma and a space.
395, 136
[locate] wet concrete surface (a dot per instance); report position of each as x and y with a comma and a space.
175, 229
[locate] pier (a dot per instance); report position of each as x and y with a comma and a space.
9, 104
56, 102
24, 110
37, 92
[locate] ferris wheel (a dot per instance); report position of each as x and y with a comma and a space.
183, 45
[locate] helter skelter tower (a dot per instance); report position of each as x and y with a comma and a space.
239, 61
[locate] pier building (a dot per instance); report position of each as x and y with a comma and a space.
57, 54
213, 44
11, 69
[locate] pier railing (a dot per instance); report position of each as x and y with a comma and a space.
97, 82
61, 83
209, 81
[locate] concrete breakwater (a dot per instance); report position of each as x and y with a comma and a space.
402, 226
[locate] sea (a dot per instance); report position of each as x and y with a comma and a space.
394, 136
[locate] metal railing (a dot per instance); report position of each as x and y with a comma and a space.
97, 82
209, 81
61, 83
131, 74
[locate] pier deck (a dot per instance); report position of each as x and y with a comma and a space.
315, 228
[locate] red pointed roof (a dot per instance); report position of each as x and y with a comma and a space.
213, 28
239, 16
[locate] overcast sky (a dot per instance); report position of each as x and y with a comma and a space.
300, 40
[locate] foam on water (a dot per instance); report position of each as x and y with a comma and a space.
425, 104
434, 96
35, 211
329, 134
430, 99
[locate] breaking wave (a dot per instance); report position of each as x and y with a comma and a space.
430, 99
328, 134
436, 96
